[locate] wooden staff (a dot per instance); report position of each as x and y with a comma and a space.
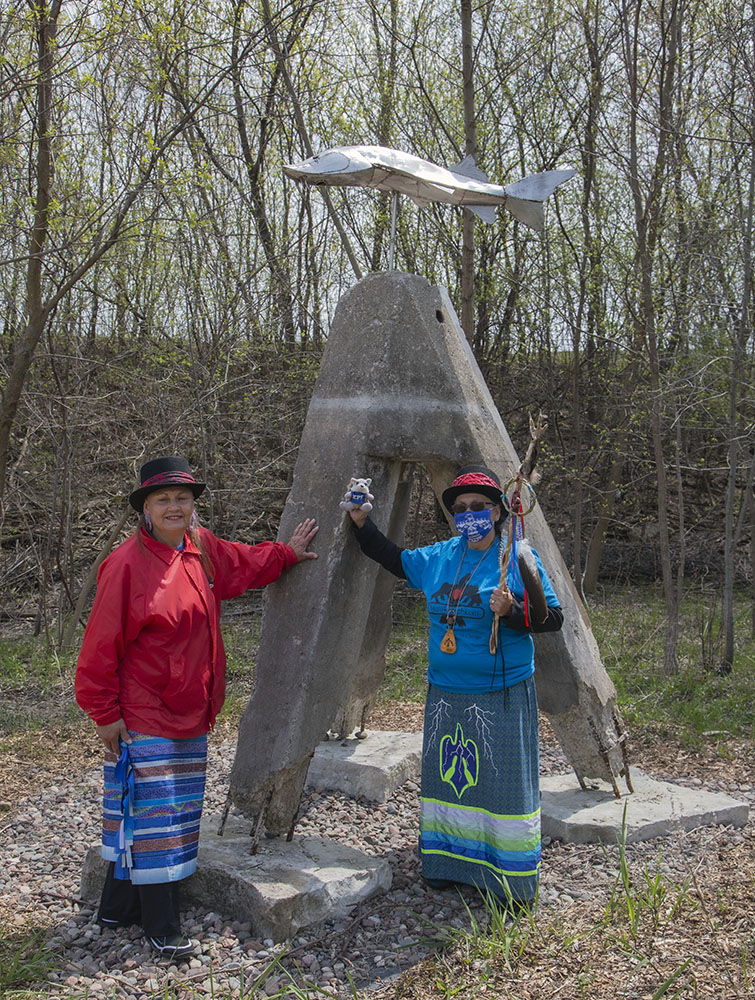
515, 504
532, 584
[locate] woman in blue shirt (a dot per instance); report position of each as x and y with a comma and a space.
480, 800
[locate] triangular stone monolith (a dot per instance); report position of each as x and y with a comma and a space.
398, 385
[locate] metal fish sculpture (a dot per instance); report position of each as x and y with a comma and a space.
401, 173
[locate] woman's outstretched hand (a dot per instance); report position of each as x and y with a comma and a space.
301, 538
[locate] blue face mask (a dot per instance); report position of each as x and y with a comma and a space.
474, 526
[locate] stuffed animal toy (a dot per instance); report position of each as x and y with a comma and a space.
357, 495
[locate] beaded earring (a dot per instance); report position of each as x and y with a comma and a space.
193, 521
147, 521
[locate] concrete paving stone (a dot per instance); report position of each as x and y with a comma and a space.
655, 809
283, 887
373, 767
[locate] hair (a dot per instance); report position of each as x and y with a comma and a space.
207, 563
196, 538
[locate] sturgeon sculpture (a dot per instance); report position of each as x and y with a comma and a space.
402, 173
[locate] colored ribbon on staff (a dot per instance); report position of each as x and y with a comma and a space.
124, 775
517, 530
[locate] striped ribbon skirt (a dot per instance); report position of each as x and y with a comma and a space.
480, 806
152, 806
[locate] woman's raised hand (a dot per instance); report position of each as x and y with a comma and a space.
358, 515
301, 538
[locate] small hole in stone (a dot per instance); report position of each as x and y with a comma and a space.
439, 315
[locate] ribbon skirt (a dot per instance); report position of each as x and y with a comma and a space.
152, 806
480, 805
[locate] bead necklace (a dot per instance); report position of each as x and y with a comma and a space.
448, 643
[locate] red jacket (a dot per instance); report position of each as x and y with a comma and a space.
152, 652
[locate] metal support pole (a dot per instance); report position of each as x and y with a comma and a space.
394, 210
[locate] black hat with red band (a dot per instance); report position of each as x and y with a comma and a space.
474, 479
170, 470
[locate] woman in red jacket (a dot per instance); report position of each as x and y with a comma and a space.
151, 675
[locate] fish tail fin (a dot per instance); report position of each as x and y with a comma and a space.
525, 197
538, 187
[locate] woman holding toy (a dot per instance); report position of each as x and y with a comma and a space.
151, 676
480, 799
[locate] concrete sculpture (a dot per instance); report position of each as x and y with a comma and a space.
402, 173
398, 385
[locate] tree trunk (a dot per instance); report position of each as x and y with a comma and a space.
387, 89
741, 337
280, 278
597, 539
648, 209
304, 135
470, 149
751, 503
45, 26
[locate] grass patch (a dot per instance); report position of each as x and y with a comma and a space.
32, 662
241, 638
497, 938
629, 625
24, 961
36, 685
641, 904
406, 654
653, 938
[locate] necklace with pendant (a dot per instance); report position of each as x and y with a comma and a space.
448, 643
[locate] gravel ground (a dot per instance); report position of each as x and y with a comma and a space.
44, 839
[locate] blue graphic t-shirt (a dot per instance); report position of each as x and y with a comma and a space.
465, 587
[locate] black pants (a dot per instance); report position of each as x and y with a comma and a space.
155, 907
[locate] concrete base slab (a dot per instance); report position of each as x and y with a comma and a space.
373, 767
654, 809
282, 888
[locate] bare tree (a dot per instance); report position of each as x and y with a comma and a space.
470, 149
742, 334
45, 26
387, 65
103, 231
648, 200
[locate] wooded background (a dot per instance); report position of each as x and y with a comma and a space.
165, 288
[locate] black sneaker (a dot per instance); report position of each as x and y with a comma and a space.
108, 922
438, 883
174, 946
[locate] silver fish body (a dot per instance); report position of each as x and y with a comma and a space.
465, 184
